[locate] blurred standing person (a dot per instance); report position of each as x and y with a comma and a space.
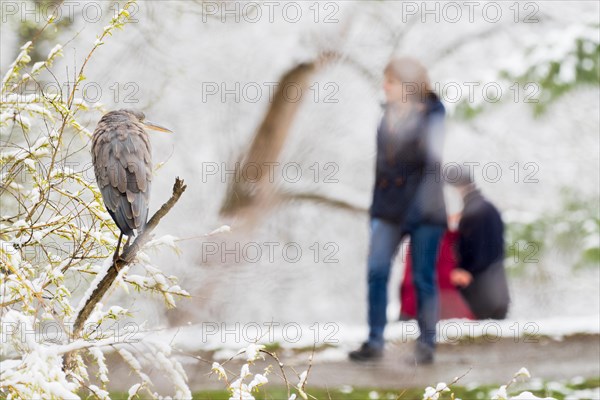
480, 274
407, 201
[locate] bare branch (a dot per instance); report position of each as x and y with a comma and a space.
126, 258
323, 199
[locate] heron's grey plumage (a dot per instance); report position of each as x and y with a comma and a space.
122, 161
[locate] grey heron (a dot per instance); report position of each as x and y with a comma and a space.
122, 159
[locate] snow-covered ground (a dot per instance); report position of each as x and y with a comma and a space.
333, 340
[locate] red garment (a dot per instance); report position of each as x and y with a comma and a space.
452, 304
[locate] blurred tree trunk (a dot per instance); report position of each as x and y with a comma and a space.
251, 187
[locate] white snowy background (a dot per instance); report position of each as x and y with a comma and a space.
171, 54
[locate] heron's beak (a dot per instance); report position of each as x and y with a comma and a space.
156, 127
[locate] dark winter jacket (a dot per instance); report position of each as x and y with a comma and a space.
408, 183
481, 234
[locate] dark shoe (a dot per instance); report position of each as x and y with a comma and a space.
366, 352
424, 354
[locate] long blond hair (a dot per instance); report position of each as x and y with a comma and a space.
412, 74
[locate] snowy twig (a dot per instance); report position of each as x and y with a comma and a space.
434, 394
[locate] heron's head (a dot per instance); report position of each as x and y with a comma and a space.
140, 117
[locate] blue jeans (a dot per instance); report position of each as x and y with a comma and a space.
384, 242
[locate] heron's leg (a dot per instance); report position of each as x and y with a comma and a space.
116, 255
126, 246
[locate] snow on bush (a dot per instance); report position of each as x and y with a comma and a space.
442, 390
54, 235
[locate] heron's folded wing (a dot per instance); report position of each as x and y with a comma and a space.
123, 169
138, 164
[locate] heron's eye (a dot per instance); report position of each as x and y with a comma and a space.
139, 115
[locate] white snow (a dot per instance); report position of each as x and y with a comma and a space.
106, 264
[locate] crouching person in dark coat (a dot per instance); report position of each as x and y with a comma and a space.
480, 274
